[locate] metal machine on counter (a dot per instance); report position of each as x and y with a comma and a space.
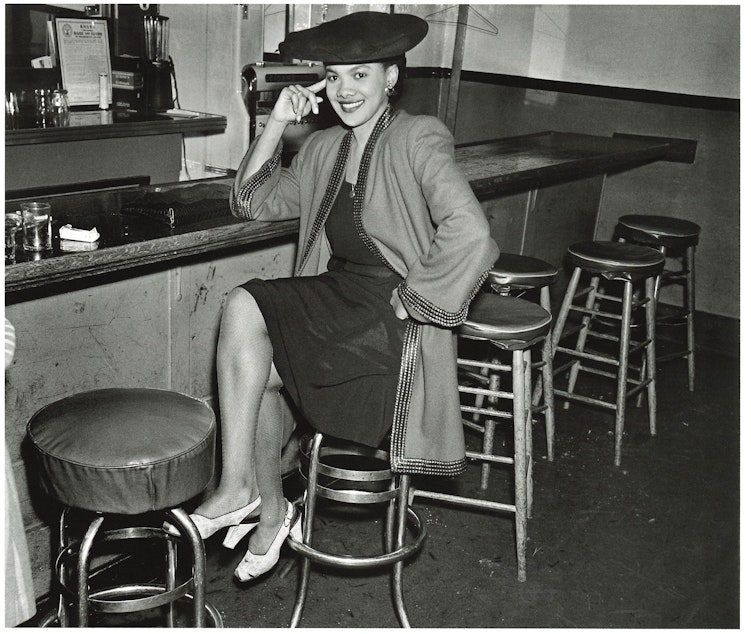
261, 84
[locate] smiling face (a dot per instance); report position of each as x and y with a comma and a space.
357, 92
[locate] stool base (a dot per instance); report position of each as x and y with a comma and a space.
74, 572
586, 359
675, 238
212, 619
521, 419
356, 486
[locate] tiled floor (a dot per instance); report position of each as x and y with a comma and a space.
652, 544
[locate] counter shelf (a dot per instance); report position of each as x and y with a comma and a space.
114, 123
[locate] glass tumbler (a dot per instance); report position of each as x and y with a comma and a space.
60, 108
13, 223
37, 226
11, 111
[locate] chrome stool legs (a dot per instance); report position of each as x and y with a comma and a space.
75, 556
354, 486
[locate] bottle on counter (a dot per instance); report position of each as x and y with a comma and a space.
104, 94
42, 104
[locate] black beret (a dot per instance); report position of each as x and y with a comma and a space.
365, 36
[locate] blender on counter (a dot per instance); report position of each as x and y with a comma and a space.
158, 69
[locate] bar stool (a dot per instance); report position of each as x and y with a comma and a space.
355, 474
671, 236
514, 274
618, 262
513, 325
114, 457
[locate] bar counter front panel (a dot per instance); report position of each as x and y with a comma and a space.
143, 308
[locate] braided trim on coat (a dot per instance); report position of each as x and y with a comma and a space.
399, 463
240, 203
383, 122
434, 313
335, 181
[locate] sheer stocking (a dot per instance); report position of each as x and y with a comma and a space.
252, 421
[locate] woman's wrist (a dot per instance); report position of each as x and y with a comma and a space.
261, 151
275, 127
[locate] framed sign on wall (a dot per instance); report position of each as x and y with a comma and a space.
84, 50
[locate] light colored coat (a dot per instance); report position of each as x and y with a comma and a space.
415, 210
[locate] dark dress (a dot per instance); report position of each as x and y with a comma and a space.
337, 342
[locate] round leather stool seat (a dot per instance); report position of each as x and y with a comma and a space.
619, 259
521, 271
659, 230
126, 451
507, 321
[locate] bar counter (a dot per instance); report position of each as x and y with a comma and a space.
495, 169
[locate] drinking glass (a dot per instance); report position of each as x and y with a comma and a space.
60, 107
12, 225
37, 226
11, 111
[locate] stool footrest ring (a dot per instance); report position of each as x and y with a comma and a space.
349, 561
352, 474
108, 600
52, 618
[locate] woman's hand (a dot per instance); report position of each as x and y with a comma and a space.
293, 104
296, 102
398, 306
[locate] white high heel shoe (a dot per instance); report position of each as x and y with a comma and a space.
253, 565
236, 533
208, 526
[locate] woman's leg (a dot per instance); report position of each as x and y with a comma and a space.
251, 421
268, 466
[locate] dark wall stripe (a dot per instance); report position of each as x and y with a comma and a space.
590, 90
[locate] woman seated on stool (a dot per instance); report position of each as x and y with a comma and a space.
393, 245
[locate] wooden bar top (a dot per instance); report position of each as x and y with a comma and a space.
111, 124
493, 168
526, 162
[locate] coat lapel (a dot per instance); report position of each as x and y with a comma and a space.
335, 182
362, 177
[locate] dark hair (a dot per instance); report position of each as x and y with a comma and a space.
401, 63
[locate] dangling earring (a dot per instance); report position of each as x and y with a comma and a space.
389, 91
